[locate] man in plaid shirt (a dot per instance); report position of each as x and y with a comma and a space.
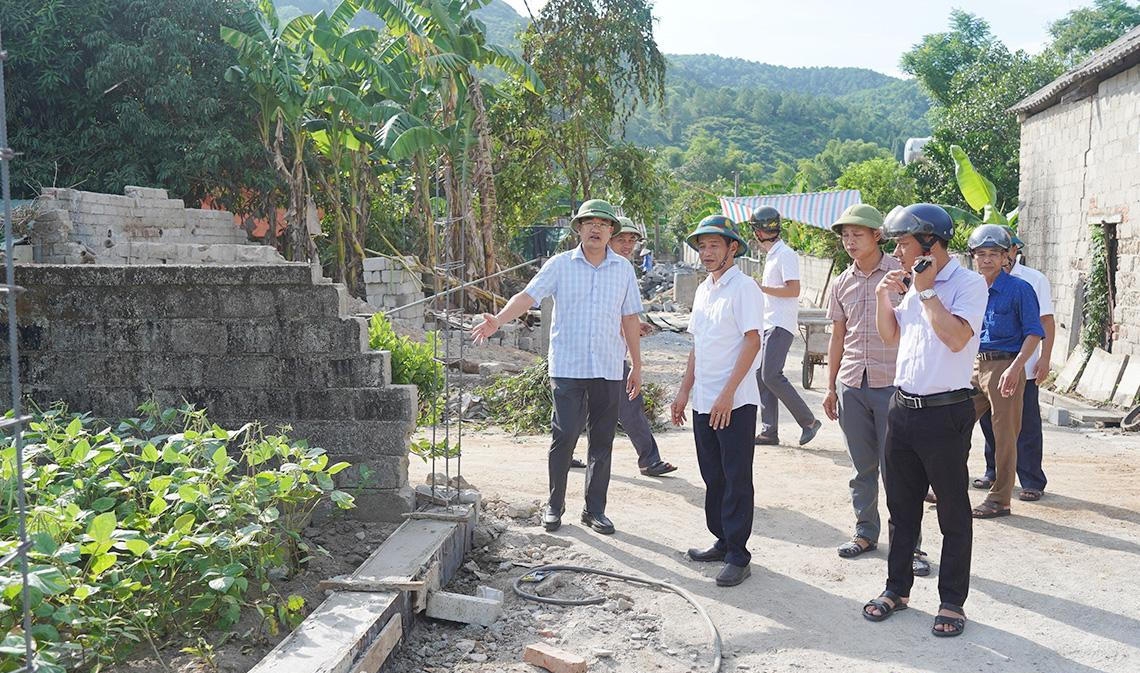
596, 308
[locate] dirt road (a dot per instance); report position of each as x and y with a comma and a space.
1054, 588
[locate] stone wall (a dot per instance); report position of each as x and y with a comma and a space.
142, 227
246, 342
388, 284
1080, 163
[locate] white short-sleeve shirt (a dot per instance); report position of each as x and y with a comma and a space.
1044, 299
925, 364
723, 311
781, 265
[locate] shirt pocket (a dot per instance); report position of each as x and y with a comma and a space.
1002, 323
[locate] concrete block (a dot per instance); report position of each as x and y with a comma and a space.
1129, 385
334, 635
553, 659
375, 263
464, 609
1060, 416
1102, 373
1071, 371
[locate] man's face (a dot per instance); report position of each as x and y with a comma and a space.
907, 249
990, 261
713, 249
1012, 257
765, 239
859, 241
595, 232
624, 243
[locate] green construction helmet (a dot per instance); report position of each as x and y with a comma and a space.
596, 208
718, 224
628, 226
862, 214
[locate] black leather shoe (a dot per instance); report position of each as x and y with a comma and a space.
551, 520
706, 555
767, 440
598, 522
730, 575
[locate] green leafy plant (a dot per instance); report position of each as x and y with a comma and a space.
980, 194
157, 526
413, 362
1095, 331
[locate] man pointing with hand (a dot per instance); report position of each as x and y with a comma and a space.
596, 308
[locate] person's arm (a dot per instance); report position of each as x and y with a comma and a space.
1007, 384
834, 357
790, 289
682, 399
631, 330
950, 329
1042, 369
721, 412
518, 305
886, 322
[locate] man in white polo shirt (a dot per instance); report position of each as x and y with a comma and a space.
726, 324
781, 288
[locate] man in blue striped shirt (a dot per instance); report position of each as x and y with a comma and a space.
596, 308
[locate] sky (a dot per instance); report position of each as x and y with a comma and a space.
867, 34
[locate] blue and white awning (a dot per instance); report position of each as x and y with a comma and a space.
819, 209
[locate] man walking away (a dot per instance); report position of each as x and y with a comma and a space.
781, 288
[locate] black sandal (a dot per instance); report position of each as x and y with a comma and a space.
659, 468
958, 623
885, 609
853, 548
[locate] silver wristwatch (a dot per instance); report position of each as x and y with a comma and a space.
928, 293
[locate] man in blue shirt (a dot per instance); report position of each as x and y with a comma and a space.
1011, 330
596, 308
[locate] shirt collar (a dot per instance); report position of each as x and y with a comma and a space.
611, 256
725, 277
777, 245
948, 270
1000, 282
883, 265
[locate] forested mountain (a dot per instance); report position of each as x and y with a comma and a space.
774, 114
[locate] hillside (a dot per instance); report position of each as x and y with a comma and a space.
772, 113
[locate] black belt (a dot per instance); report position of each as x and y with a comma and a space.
996, 355
936, 400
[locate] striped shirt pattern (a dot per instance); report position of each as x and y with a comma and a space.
852, 301
589, 302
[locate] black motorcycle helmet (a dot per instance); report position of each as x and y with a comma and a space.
924, 221
765, 220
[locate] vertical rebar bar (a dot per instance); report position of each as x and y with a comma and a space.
6, 156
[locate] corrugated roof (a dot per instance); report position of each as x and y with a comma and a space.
1115, 58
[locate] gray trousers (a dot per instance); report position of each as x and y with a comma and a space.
631, 415
582, 403
775, 387
863, 419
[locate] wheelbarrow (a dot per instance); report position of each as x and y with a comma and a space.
813, 324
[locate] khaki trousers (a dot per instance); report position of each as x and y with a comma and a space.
1006, 422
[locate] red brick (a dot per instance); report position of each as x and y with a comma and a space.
553, 659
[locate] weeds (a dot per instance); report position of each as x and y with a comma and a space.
158, 526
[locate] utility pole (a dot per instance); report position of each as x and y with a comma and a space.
736, 183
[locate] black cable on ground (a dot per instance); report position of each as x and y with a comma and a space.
598, 599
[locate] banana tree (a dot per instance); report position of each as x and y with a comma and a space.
447, 126
980, 194
274, 62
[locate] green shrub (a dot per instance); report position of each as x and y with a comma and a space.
412, 362
156, 526
524, 403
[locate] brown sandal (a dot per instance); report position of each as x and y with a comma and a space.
989, 510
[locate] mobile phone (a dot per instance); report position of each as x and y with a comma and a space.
923, 265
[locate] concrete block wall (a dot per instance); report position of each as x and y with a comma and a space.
1081, 161
143, 226
246, 342
388, 284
